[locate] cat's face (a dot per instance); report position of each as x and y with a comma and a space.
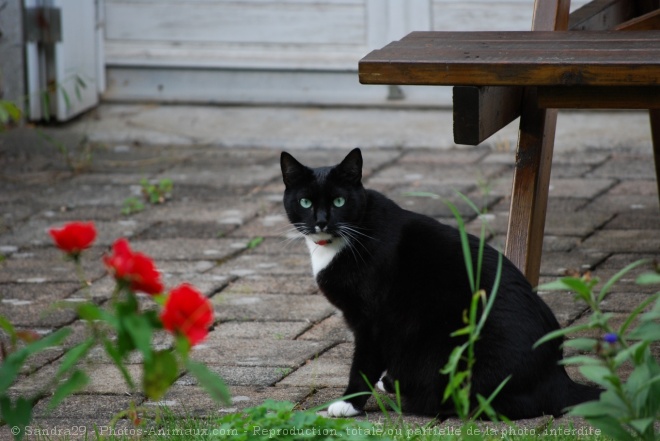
324, 203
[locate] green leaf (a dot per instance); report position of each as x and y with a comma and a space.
641, 424
582, 344
77, 381
484, 404
116, 357
454, 358
561, 332
14, 361
580, 359
581, 287
159, 374
649, 331
454, 383
91, 312
255, 242
592, 409
73, 355
629, 352
182, 345
140, 330
611, 427
4, 115
465, 245
8, 328
556, 285
597, 374
13, 110
615, 278
19, 415
463, 331
648, 279
422, 194
210, 381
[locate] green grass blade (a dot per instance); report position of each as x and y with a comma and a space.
608, 285
467, 255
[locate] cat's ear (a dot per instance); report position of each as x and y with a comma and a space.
292, 170
351, 167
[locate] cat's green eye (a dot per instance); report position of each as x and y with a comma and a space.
339, 202
305, 203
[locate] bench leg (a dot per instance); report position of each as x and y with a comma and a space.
654, 115
531, 181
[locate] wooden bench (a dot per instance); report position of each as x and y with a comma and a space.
499, 76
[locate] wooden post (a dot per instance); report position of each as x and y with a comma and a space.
531, 178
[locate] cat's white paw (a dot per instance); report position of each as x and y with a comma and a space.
342, 409
380, 385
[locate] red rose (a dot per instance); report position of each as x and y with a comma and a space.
74, 237
187, 312
135, 269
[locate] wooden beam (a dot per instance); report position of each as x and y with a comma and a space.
646, 22
531, 178
654, 116
601, 15
481, 111
474, 121
559, 97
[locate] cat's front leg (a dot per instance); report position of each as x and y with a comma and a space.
367, 363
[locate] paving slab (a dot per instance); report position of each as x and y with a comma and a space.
190, 400
272, 284
286, 330
257, 352
271, 307
333, 329
624, 241
275, 336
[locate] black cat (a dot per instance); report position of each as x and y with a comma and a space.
400, 280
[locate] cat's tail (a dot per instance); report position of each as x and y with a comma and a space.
573, 394
581, 393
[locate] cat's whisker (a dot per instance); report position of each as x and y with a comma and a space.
291, 235
355, 230
351, 247
350, 235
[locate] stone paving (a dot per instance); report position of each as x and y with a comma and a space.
275, 336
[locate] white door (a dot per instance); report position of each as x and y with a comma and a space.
255, 51
64, 57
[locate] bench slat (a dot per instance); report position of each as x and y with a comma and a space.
560, 97
517, 59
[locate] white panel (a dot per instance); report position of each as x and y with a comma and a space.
486, 15
33, 74
244, 22
259, 87
206, 56
75, 58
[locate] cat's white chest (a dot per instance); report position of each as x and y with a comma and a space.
322, 255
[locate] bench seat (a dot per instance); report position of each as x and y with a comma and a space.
517, 58
498, 76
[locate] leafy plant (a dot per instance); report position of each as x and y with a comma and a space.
9, 112
629, 409
132, 206
75, 162
255, 242
153, 193
278, 420
125, 326
23, 344
157, 193
462, 359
